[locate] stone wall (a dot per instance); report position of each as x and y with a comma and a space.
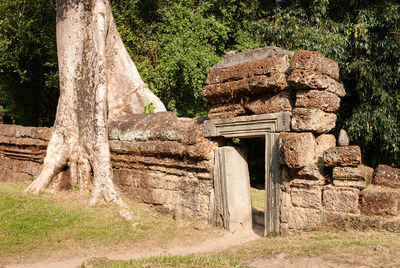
158, 159
320, 181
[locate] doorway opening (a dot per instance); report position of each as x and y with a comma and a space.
255, 148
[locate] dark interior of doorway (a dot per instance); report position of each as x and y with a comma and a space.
255, 148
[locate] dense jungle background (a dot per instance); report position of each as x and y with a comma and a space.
174, 44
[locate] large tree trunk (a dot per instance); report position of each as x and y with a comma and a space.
98, 81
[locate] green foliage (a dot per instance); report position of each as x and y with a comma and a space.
28, 61
149, 108
174, 44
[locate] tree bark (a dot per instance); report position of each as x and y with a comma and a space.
98, 82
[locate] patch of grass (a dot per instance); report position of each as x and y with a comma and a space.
34, 226
257, 198
168, 261
317, 243
350, 247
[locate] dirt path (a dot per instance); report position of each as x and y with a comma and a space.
222, 242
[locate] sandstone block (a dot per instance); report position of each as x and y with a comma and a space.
296, 149
343, 200
345, 156
306, 79
313, 120
322, 143
265, 104
351, 184
233, 58
306, 198
226, 92
380, 203
359, 173
317, 99
313, 60
387, 176
266, 66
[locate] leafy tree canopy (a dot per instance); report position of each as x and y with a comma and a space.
174, 44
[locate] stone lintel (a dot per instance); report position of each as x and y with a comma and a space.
248, 126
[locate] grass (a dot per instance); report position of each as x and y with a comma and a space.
350, 247
168, 261
257, 198
31, 226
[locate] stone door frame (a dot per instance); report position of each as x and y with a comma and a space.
268, 126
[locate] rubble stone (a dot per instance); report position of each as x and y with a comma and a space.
345, 156
313, 60
387, 176
380, 203
296, 149
343, 200
307, 79
313, 120
317, 99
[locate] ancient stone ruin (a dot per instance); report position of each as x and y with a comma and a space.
191, 167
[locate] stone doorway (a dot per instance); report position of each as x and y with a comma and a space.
228, 185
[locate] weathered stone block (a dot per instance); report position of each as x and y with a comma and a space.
296, 149
306, 79
306, 198
307, 183
387, 176
311, 172
318, 99
344, 200
352, 184
226, 92
304, 218
313, 60
232, 58
322, 143
346, 156
313, 120
163, 126
245, 70
285, 206
265, 104
359, 173
226, 110
380, 203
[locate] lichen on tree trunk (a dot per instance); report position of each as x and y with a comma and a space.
98, 82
